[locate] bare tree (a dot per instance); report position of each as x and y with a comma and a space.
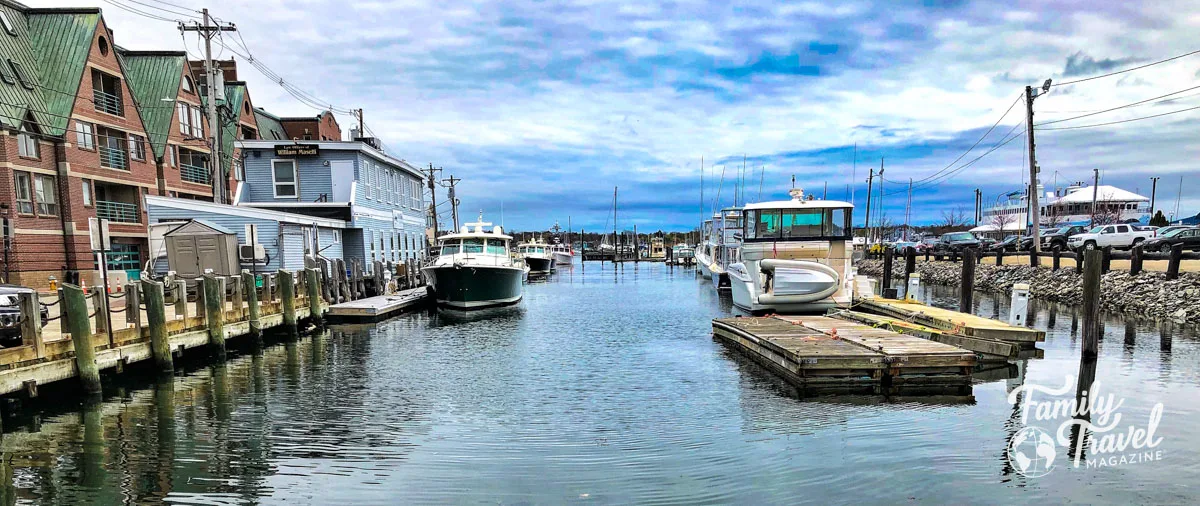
1055, 217
953, 219
1002, 220
1106, 214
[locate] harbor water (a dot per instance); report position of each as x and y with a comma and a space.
604, 385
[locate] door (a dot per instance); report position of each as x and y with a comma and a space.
342, 175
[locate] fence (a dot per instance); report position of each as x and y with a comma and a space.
1136, 256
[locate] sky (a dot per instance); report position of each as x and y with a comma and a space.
543, 107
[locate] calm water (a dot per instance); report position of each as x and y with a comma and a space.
603, 386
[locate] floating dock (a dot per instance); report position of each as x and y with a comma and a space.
379, 307
952, 322
819, 355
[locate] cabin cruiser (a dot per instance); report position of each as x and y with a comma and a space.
474, 269
562, 253
537, 255
658, 249
682, 254
795, 256
704, 251
727, 231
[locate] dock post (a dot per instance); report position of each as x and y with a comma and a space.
340, 280
235, 289
1079, 262
1173, 263
248, 285
999, 257
181, 299
314, 296
1056, 255
1091, 303
968, 281
1019, 308
31, 322
287, 294
1135, 260
156, 317
1034, 261
1106, 259
325, 293
910, 265
75, 305
100, 304
914, 285
378, 278
200, 309
268, 287
886, 279
214, 315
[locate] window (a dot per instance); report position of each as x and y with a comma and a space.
473, 245
8, 26
450, 248
43, 187
284, 175
137, 147
6, 75
27, 144
85, 135
19, 72
87, 192
337, 236
496, 246
173, 152
24, 194
106, 93
802, 223
103, 44
188, 86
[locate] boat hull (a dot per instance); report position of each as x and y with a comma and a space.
561, 258
475, 287
539, 265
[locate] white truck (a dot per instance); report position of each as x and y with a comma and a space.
1118, 236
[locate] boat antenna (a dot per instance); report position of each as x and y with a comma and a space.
793, 181
719, 188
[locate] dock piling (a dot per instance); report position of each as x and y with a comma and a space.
75, 304
213, 301
1173, 263
1091, 303
156, 317
886, 279
999, 257
31, 323
181, 298
248, 283
314, 295
1106, 259
968, 281
1135, 260
287, 295
1056, 255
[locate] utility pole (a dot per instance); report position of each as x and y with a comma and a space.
867, 221
430, 178
453, 201
1153, 190
978, 205
879, 215
1095, 191
209, 30
908, 209
1035, 211
362, 132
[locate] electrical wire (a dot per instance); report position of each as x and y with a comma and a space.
134, 10
1126, 70
1008, 136
187, 12
1117, 122
981, 138
1140, 102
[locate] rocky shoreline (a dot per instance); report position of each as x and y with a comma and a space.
1149, 294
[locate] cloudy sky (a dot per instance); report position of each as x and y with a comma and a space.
543, 107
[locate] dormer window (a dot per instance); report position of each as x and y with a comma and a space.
7, 23
19, 72
27, 144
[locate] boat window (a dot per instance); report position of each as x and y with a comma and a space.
450, 248
839, 223
767, 225
750, 231
802, 223
496, 246
472, 245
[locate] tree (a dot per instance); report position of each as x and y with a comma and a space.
1159, 220
1002, 220
1106, 214
1055, 217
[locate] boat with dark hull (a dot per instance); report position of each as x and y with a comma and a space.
474, 269
538, 256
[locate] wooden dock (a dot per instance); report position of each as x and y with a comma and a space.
820, 355
379, 307
988, 349
954, 322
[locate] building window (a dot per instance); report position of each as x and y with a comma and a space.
8, 26
87, 192
283, 175
24, 194
189, 120
188, 86
103, 43
137, 147
27, 144
43, 187
337, 236
114, 154
173, 152
19, 72
106, 93
85, 135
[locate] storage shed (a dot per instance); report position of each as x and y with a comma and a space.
199, 245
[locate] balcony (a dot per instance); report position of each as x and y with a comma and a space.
117, 212
108, 103
194, 174
114, 158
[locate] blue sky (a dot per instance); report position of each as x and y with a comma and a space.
543, 107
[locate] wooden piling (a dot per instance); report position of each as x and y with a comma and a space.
1106, 259
156, 317
314, 296
75, 304
910, 261
235, 289
1079, 257
1173, 263
214, 316
1135, 260
31, 322
1056, 254
181, 299
287, 294
1000, 257
968, 281
1091, 302
886, 279
133, 304
1034, 261
249, 286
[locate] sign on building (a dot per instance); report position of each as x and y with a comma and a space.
297, 150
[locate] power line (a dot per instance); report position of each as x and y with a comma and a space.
135, 10
945, 177
1127, 70
1118, 122
981, 138
186, 12
1140, 102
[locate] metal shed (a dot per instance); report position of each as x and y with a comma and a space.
199, 245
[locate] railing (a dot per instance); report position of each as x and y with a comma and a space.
107, 102
194, 174
120, 212
114, 158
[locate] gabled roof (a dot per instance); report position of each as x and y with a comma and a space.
17, 101
152, 77
269, 126
61, 39
198, 227
1104, 193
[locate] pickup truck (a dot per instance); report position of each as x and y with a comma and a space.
1117, 236
1057, 239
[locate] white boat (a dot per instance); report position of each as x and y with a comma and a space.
475, 269
682, 254
796, 257
564, 254
727, 231
537, 255
705, 249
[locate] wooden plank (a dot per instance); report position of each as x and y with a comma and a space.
953, 321
905, 350
975, 344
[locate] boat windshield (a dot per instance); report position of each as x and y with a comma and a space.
496, 246
450, 247
796, 224
472, 245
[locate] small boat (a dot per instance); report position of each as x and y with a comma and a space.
537, 257
726, 240
796, 257
705, 250
658, 250
474, 269
564, 254
682, 254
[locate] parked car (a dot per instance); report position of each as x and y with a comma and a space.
927, 243
1188, 237
1163, 231
10, 313
1057, 239
956, 242
1008, 244
986, 242
1120, 236
899, 246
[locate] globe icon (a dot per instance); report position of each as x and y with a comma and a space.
1032, 452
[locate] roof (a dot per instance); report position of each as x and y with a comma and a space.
800, 204
269, 126
1104, 193
195, 225
337, 146
152, 77
201, 206
61, 39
